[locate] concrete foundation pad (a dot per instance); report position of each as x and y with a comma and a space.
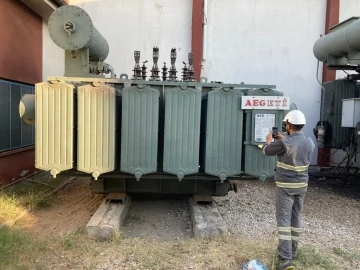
207, 221
108, 218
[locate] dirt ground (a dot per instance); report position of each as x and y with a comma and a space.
157, 217
70, 210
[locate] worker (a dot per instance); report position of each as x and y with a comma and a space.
291, 177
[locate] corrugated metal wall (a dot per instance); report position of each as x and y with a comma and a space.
13, 132
335, 92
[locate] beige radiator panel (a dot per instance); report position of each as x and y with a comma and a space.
54, 126
96, 129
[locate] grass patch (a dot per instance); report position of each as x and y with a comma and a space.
36, 198
10, 207
309, 258
13, 204
218, 253
18, 250
77, 251
347, 255
30, 194
68, 242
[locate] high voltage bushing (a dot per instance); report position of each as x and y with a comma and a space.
191, 71
143, 70
164, 72
137, 68
172, 70
184, 72
188, 74
155, 69
168, 74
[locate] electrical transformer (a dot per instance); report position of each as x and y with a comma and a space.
339, 125
163, 133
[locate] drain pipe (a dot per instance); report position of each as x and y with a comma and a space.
321, 129
322, 92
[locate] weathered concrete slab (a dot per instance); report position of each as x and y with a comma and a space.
202, 199
107, 220
207, 221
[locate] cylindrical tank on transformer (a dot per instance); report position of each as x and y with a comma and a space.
71, 28
342, 41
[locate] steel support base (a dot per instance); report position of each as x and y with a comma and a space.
160, 186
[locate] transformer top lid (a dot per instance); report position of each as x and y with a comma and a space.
343, 23
70, 27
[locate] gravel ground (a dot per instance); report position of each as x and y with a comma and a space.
158, 217
330, 219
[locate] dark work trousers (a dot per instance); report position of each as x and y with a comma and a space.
289, 204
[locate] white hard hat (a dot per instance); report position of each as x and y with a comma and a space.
295, 117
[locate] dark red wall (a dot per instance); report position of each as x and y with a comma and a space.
20, 43
16, 165
21, 61
197, 36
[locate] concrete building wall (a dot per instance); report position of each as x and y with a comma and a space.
268, 42
349, 8
53, 56
141, 25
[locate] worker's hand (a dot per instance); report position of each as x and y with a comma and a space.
269, 138
280, 136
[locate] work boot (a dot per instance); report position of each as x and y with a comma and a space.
286, 265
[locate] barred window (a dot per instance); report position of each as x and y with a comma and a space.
14, 133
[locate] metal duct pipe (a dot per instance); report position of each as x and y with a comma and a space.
71, 28
342, 41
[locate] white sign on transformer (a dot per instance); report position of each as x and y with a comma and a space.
263, 126
265, 103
